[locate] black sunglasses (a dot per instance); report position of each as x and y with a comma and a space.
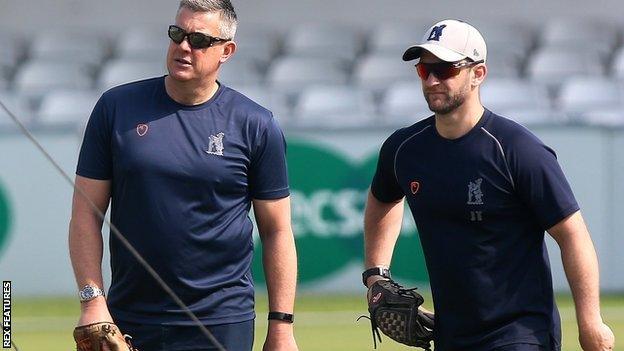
196, 40
443, 70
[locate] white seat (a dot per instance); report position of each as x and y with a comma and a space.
578, 95
502, 63
255, 44
617, 67
66, 107
322, 40
376, 72
291, 74
143, 43
123, 71
506, 39
569, 33
70, 46
510, 93
607, 117
269, 99
237, 72
402, 102
533, 116
553, 66
392, 39
334, 107
37, 77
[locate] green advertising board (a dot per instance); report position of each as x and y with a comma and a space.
328, 193
5, 218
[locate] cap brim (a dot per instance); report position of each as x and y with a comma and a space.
444, 54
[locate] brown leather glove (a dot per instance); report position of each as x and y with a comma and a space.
92, 337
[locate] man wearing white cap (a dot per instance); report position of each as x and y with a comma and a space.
482, 190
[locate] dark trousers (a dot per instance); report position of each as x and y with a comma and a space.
234, 336
521, 347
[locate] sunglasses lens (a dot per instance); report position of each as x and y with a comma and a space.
176, 34
440, 70
423, 71
199, 40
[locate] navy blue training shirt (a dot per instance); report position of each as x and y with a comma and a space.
182, 181
481, 204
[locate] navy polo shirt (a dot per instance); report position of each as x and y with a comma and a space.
481, 204
183, 178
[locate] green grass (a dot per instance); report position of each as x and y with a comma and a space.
323, 322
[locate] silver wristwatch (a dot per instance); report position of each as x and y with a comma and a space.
90, 292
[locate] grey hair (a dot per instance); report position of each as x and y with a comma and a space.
229, 21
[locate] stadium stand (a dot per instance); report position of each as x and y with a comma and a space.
66, 107
238, 72
335, 107
37, 77
292, 74
403, 103
79, 47
377, 72
581, 94
143, 43
323, 40
118, 72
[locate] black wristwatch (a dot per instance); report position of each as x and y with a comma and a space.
281, 316
382, 271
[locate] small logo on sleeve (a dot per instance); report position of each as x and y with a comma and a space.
414, 187
215, 144
141, 129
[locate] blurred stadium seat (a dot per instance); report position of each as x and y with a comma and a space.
506, 39
66, 107
617, 67
256, 43
334, 107
37, 77
503, 64
118, 72
570, 34
81, 47
143, 43
291, 74
377, 72
404, 103
509, 93
533, 116
322, 40
392, 39
553, 66
269, 99
613, 117
237, 72
582, 94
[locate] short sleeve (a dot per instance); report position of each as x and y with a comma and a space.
385, 187
95, 160
268, 174
540, 182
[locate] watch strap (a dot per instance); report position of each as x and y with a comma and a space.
379, 270
281, 316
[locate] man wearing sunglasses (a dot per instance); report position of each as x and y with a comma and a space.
182, 159
482, 190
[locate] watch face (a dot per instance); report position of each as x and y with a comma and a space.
88, 292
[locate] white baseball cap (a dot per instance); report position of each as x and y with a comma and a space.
451, 41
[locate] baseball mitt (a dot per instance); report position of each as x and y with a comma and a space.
394, 310
93, 337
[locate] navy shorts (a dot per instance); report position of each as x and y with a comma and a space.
234, 336
521, 347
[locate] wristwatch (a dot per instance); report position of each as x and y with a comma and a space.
379, 270
90, 292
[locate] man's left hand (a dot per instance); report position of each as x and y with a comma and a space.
597, 337
280, 337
